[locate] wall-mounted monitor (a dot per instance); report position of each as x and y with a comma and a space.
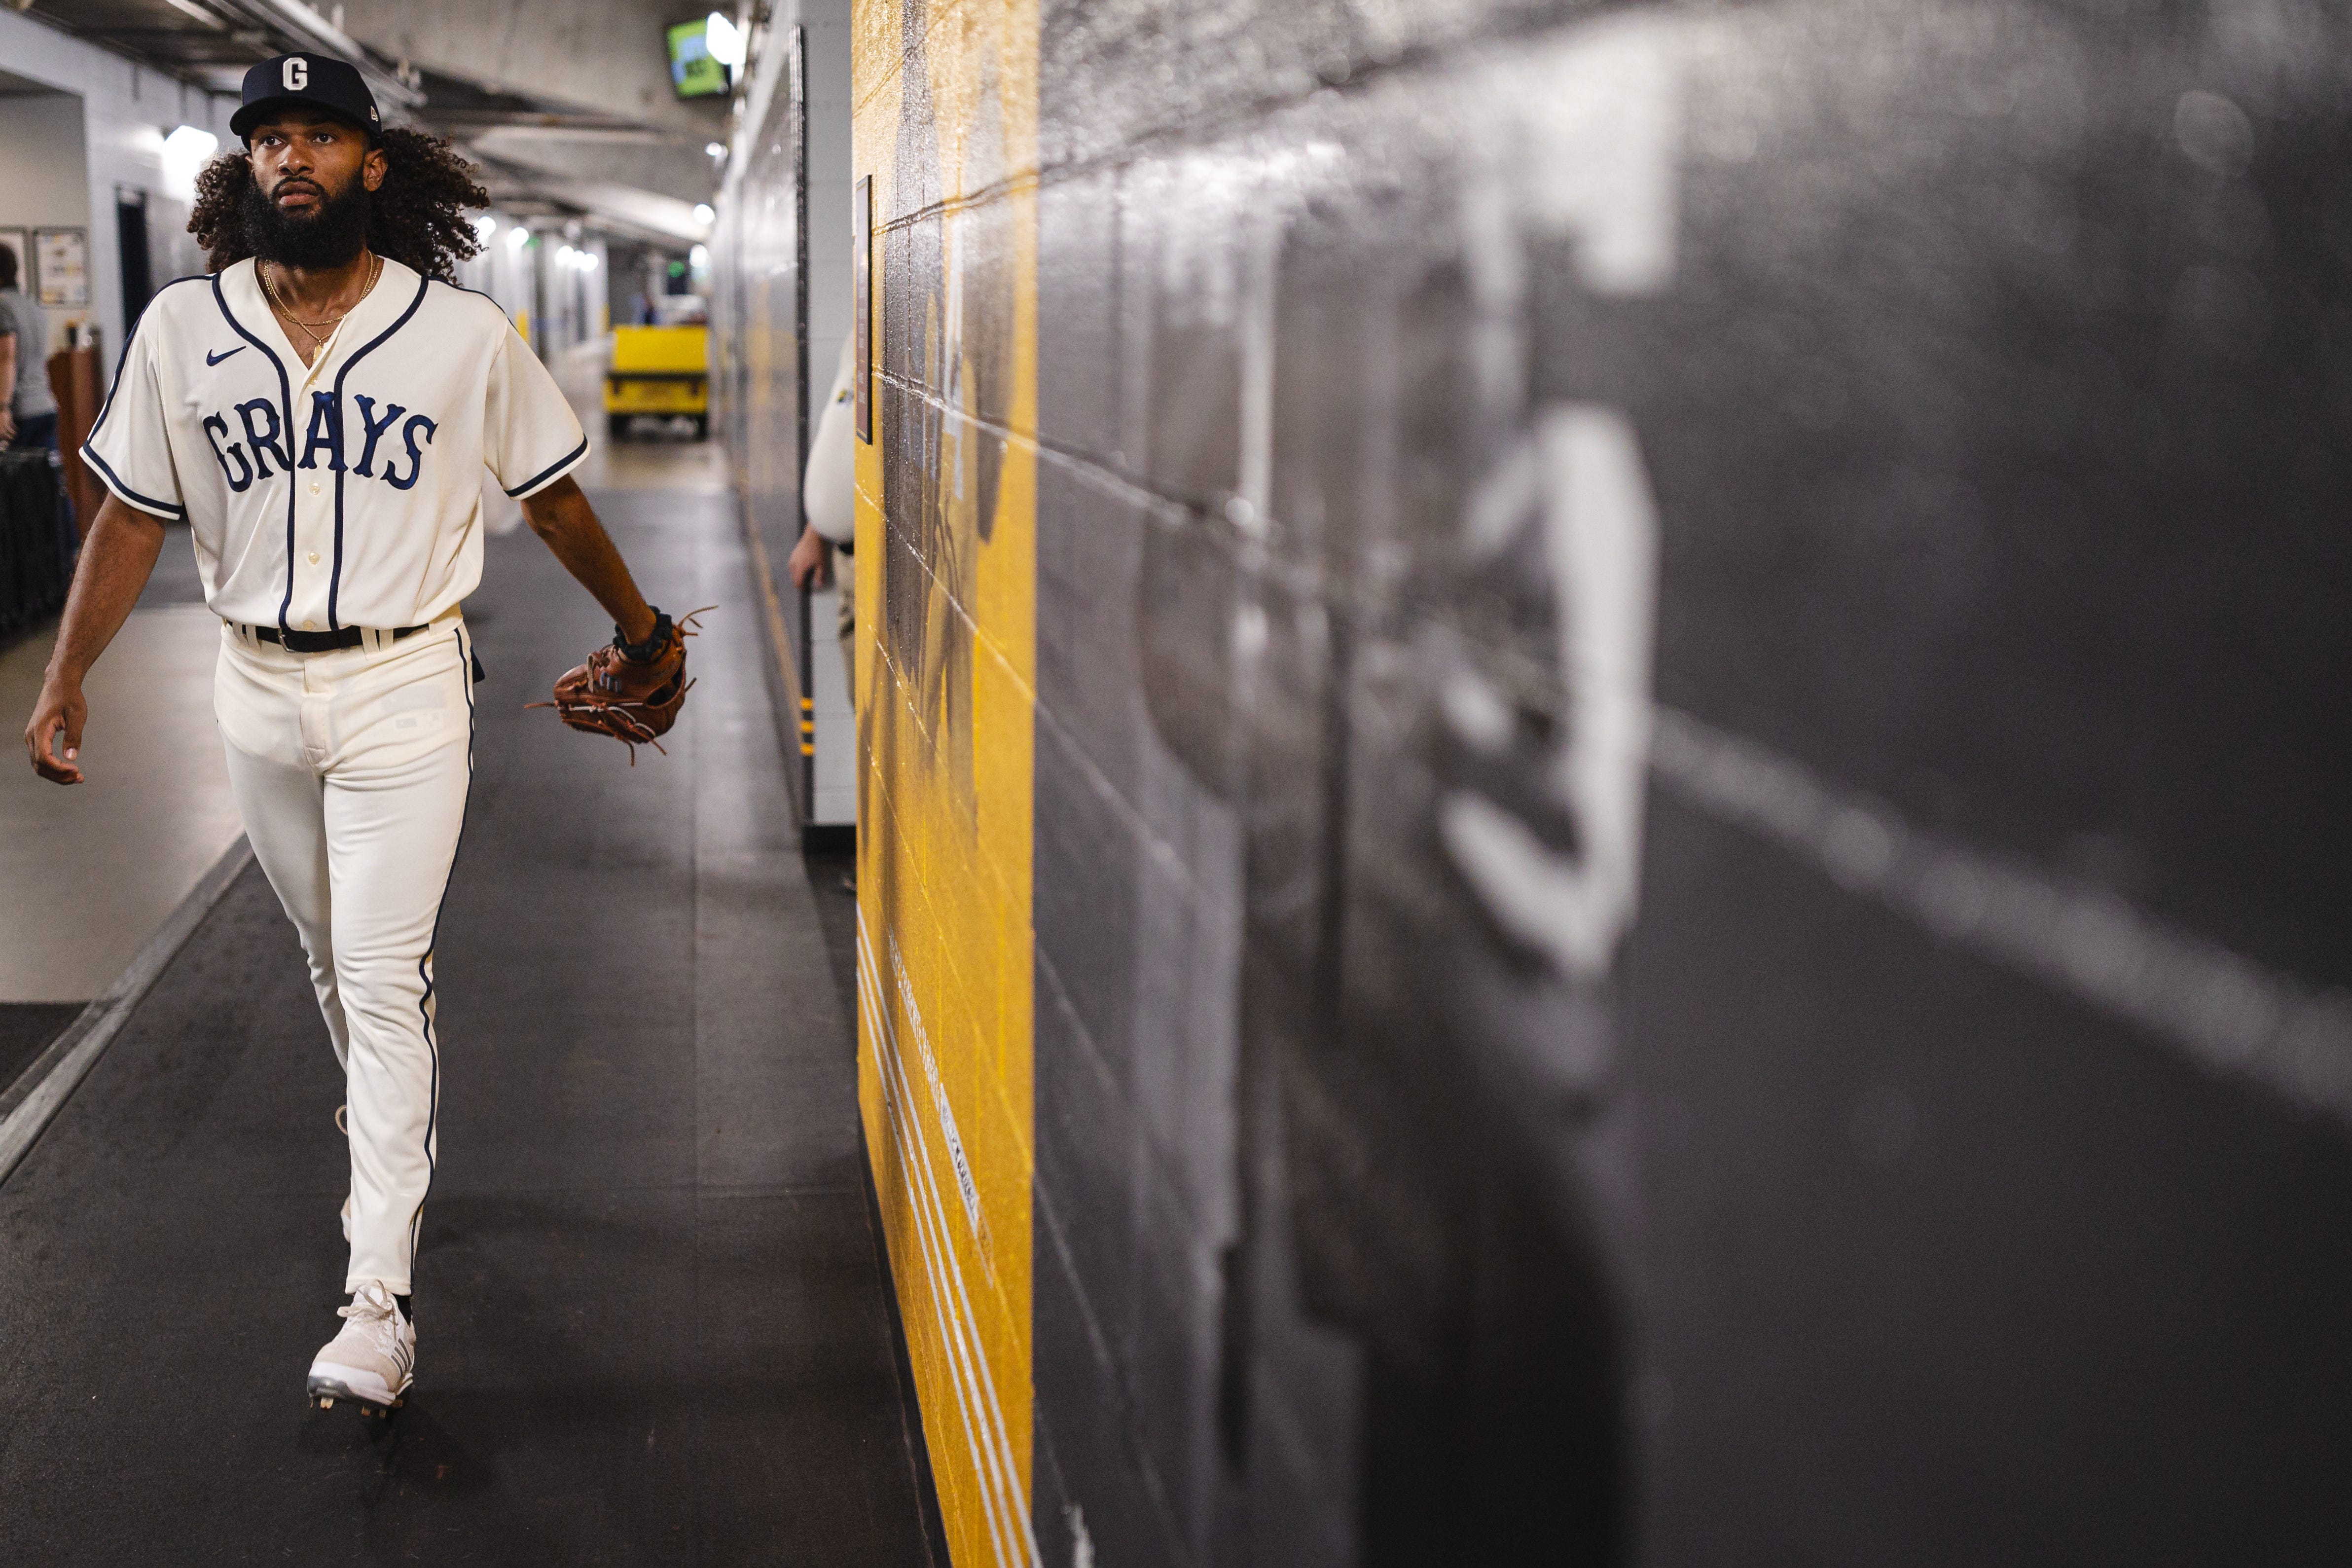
694, 71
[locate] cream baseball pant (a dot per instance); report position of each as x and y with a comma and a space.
351, 770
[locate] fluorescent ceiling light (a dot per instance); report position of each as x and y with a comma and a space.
191, 141
185, 153
724, 40
484, 227
702, 212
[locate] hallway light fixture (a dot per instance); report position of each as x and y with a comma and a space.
517, 237
702, 212
724, 40
485, 227
186, 151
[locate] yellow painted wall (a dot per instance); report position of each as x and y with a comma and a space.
945, 121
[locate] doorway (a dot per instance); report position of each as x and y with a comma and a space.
137, 273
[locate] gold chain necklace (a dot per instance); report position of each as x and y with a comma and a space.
374, 272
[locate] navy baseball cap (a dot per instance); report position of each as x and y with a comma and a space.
313, 81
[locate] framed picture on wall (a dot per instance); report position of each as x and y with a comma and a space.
61, 266
15, 239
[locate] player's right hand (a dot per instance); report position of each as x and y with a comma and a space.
53, 736
810, 565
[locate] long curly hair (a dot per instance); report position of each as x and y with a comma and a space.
417, 216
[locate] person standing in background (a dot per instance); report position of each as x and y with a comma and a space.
829, 502
28, 416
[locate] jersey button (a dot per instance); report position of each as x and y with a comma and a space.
314, 558
309, 625
314, 487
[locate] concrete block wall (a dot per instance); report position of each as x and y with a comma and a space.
1647, 689
126, 113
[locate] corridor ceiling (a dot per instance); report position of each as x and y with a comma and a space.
567, 108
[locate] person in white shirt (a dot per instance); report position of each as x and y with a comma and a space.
829, 502
319, 410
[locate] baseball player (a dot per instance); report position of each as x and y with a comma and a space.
319, 410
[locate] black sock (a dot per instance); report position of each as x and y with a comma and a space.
405, 1310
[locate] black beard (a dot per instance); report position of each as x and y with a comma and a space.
329, 234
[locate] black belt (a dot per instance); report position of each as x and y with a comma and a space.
322, 642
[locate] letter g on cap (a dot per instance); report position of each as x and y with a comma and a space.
296, 73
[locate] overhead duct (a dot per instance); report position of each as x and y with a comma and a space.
306, 27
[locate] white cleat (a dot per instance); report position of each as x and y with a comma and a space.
371, 1360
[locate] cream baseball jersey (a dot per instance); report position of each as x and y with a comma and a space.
347, 492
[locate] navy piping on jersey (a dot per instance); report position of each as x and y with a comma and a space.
113, 480
335, 581
286, 410
569, 458
553, 468
461, 289
424, 964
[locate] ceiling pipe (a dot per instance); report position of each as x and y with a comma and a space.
293, 19
639, 214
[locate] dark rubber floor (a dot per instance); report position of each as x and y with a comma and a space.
653, 1325
25, 1030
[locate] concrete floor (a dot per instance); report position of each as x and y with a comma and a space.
658, 455
87, 873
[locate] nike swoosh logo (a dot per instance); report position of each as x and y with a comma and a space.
216, 358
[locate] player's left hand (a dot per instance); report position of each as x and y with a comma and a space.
54, 735
632, 698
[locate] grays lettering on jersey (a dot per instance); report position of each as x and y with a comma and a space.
347, 492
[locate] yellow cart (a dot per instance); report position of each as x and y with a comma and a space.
663, 371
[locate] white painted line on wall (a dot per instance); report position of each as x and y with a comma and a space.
965, 1187
51, 1081
942, 1308
994, 1463
2230, 1016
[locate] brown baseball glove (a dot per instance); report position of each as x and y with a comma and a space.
632, 694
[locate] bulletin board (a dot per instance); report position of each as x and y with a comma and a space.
61, 266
